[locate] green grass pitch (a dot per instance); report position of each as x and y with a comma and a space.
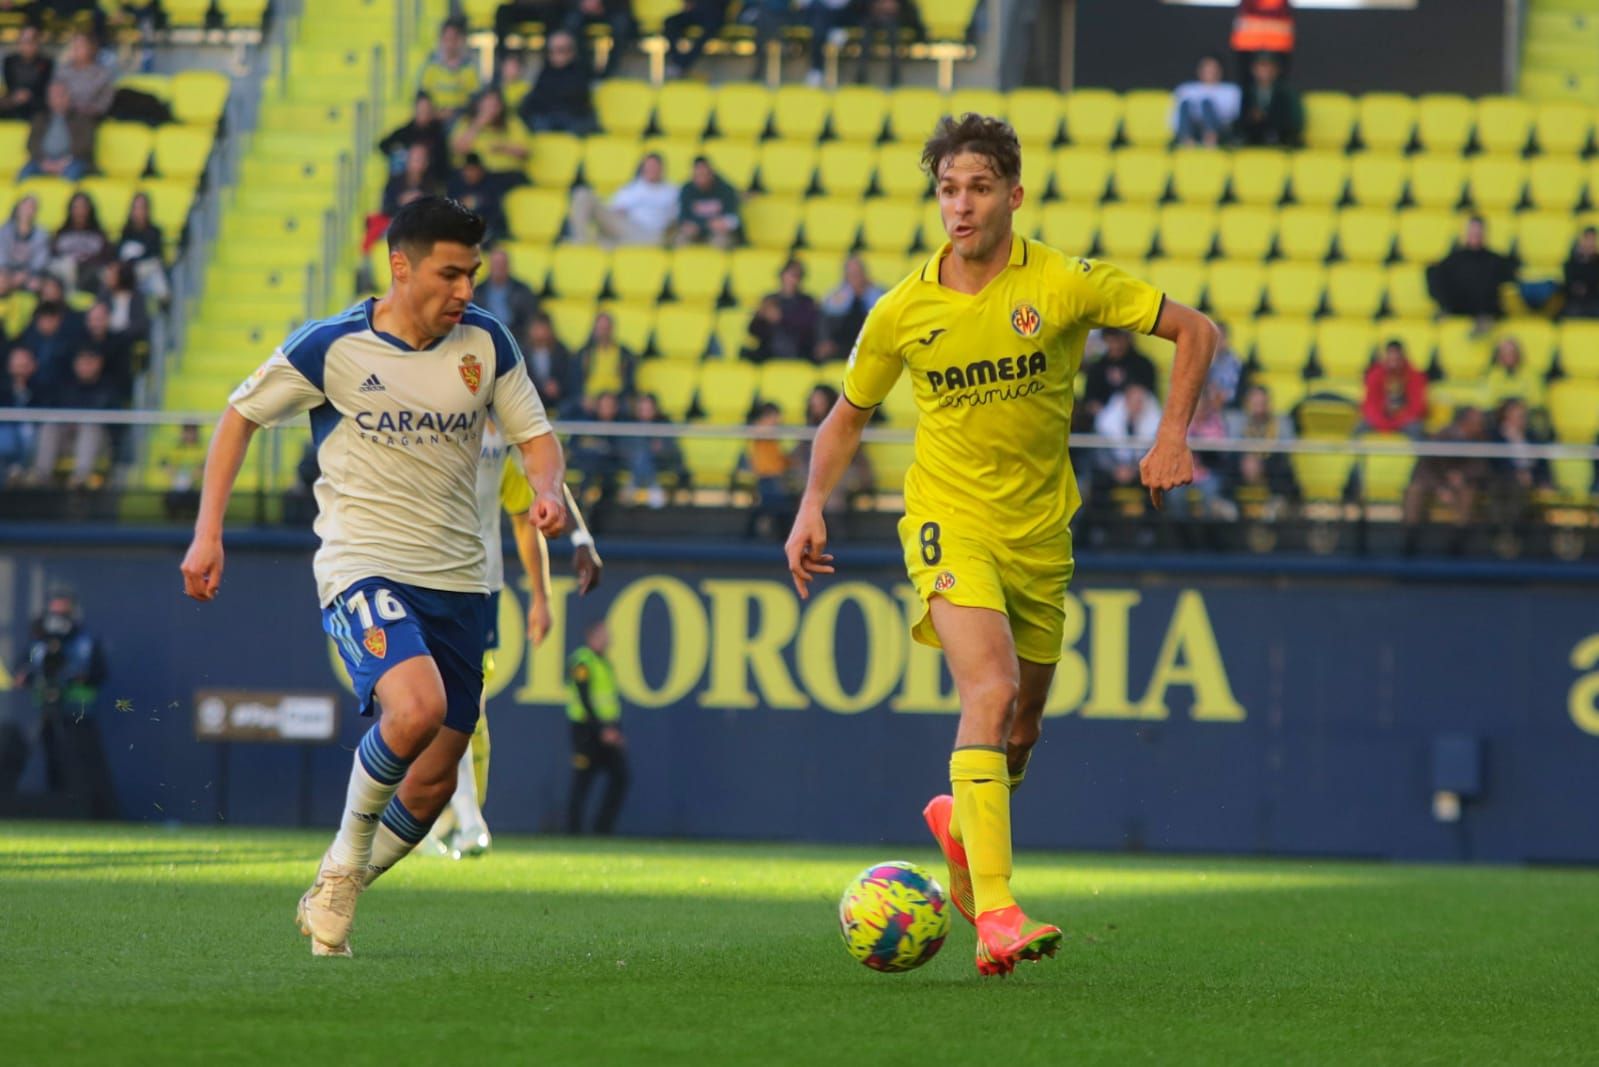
144, 945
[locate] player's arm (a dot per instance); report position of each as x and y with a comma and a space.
585, 554
1169, 463
520, 413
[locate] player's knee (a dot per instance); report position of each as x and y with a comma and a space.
415, 715
993, 699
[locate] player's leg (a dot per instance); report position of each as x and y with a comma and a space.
1031, 693
472, 836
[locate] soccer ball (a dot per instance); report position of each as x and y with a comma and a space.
893, 916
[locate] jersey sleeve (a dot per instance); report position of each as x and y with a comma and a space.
516, 496
874, 363
276, 393
516, 403
1105, 295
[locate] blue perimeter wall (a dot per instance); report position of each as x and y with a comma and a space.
1249, 706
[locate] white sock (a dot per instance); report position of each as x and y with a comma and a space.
375, 776
388, 848
468, 815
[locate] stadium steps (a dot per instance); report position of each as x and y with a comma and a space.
1560, 50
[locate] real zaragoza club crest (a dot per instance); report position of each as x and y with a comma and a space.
471, 372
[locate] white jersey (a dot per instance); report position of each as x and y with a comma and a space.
490, 473
398, 433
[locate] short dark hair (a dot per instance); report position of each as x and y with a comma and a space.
981, 135
424, 222
454, 22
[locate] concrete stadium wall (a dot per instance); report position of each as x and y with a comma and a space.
1196, 712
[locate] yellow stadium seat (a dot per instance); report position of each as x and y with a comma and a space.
786, 383
651, 14
185, 12
1419, 337
1574, 409
1295, 289
1387, 121
1376, 180
1126, 231
170, 201
888, 269
845, 169
1035, 114
13, 148
890, 225
1562, 127
1462, 353
799, 112
1092, 116
1140, 175
900, 174
609, 163
1081, 173
111, 197
824, 269
1436, 180
1187, 232
1426, 236
1344, 347
832, 223
989, 102
1544, 237
752, 273
638, 273
1504, 124
713, 461
1246, 232
1068, 227
1234, 288
1329, 120
947, 20
1555, 183
624, 107
683, 108
729, 331
52, 195
771, 221
1199, 175
1146, 118
698, 273
859, 112
1259, 175
734, 160
1579, 348
1282, 344
1536, 337
727, 390
1305, 233
535, 214
122, 150
912, 113
1181, 279
242, 14
578, 272
672, 382
553, 159
742, 110
1443, 122
1321, 476
199, 96
1365, 235
682, 331
787, 167
1497, 182
634, 323
1286, 390
1356, 289
1319, 178
1407, 291
530, 262
1574, 479
1384, 477
572, 320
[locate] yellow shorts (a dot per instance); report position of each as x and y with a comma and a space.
1025, 582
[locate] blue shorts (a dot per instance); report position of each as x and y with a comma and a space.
378, 623
491, 631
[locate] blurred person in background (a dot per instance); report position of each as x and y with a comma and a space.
1118, 366
24, 245
505, 296
881, 23
616, 15
1266, 471
1517, 476
426, 127
116, 348
1396, 395
88, 390
1226, 368
24, 76
785, 324
1469, 280
707, 209
502, 145
1132, 412
80, 246
1582, 276
183, 467
604, 365
1271, 113
60, 141
600, 458
857, 479
639, 213
143, 247
19, 388
768, 463
450, 76
1510, 377
549, 364
53, 336
651, 457
844, 310
89, 81
1452, 483
560, 100
475, 189
1205, 109
413, 183
594, 708
1206, 496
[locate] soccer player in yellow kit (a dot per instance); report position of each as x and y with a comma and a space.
992, 330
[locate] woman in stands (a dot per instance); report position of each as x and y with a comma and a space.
24, 247
143, 249
81, 245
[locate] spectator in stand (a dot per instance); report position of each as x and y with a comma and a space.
60, 142
25, 74
53, 336
477, 190
828, 21
639, 213
857, 478
129, 318
502, 145
18, 389
1226, 369
1509, 377
1210, 482
560, 100
600, 459
1132, 411
89, 82
81, 246
24, 246
708, 15
1450, 482
1468, 280
615, 14
1582, 277
143, 248
604, 367
450, 76
505, 296
1266, 472
707, 209
844, 310
785, 325
1118, 367
1396, 395
1205, 109
426, 127
1517, 475
1270, 113
767, 17
549, 364
766, 460
87, 390
412, 183
651, 457
1262, 27
882, 21
184, 468
116, 349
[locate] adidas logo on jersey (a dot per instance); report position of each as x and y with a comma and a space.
372, 385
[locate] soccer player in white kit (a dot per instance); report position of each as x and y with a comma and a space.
399, 390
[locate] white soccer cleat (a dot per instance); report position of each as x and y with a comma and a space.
434, 845
472, 841
327, 911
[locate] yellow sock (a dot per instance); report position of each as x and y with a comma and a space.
981, 782
480, 758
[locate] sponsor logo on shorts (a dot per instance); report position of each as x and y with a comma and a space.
1025, 320
471, 372
376, 641
944, 582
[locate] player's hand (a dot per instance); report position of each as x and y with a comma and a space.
1168, 465
611, 736
538, 622
807, 550
549, 514
589, 568
202, 568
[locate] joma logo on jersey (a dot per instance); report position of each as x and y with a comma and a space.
415, 421
986, 371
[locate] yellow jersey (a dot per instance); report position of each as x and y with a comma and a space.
992, 375
516, 495
450, 88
